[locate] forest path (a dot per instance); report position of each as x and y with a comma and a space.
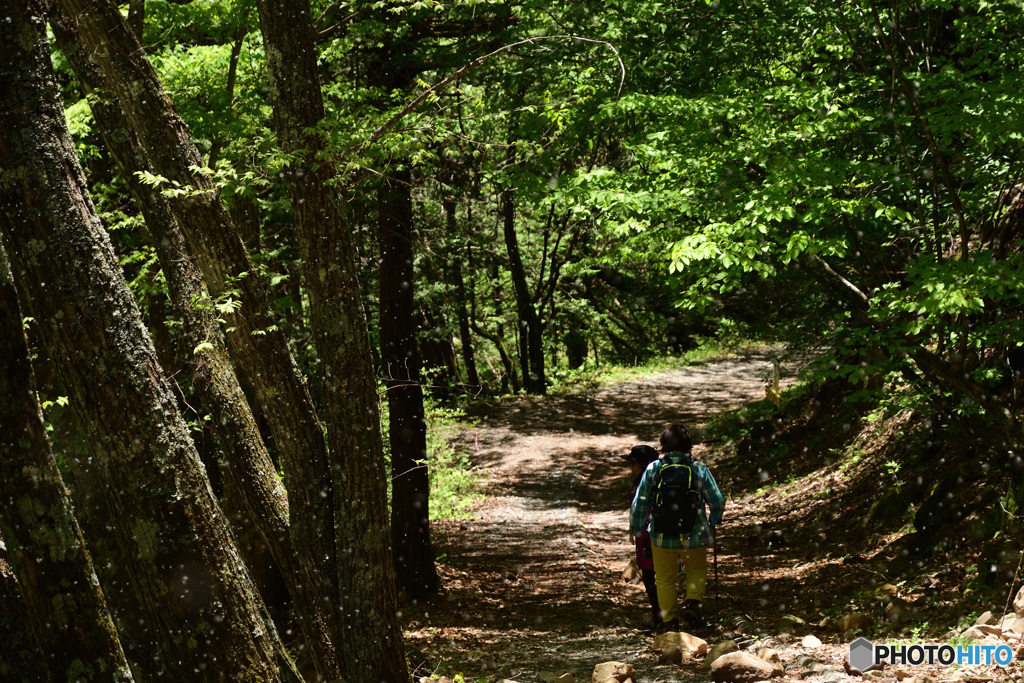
533, 580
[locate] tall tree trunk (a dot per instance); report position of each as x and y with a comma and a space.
465, 337
257, 345
462, 309
202, 615
250, 471
367, 601
531, 350
66, 606
410, 485
137, 17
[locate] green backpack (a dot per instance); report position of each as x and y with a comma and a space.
676, 496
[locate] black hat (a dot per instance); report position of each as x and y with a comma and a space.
642, 455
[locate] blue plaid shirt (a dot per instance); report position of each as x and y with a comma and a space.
702, 535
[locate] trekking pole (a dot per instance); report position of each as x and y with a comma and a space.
714, 549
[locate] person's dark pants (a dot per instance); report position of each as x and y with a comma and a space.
652, 592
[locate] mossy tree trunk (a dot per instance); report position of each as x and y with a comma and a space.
367, 601
66, 607
250, 471
258, 347
201, 615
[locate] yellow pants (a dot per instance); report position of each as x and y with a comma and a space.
666, 575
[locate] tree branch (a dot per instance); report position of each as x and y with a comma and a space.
415, 103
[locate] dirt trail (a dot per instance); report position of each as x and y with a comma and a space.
532, 581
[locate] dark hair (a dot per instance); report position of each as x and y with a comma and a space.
641, 455
676, 439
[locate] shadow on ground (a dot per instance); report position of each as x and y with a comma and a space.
533, 581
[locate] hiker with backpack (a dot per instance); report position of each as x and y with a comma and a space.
671, 504
639, 458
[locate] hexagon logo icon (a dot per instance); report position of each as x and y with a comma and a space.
862, 654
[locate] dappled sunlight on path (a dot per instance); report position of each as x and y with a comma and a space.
533, 579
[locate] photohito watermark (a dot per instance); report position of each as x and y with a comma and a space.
865, 655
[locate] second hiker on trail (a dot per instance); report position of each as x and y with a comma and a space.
674, 494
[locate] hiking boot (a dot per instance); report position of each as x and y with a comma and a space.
692, 615
670, 626
652, 625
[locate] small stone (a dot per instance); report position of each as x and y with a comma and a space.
1018, 603
612, 672
741, 667
857, 621
980, 632
673, 655
810, 641
901, 673
789, 623
684, 641
976, 677
877, 676
1016, 626
772, 657
986, 619
921, 678
722, 648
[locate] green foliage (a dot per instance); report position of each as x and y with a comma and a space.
750, 152
454, 480
79, 118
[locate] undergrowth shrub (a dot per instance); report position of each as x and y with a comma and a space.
454, 480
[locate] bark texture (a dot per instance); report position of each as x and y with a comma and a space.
407, 428
66, 607
367, 602
256, 345
203, 619
250, 471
